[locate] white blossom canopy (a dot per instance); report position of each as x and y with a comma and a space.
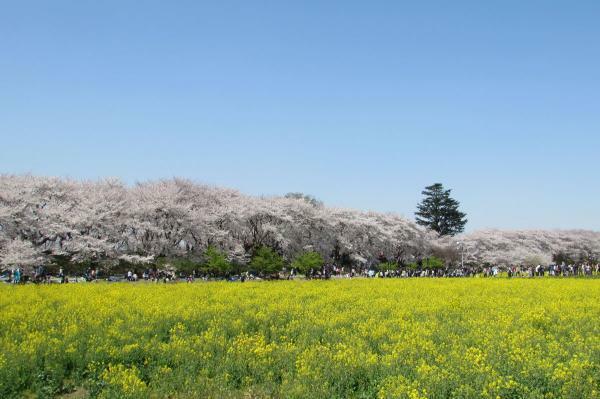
107, 220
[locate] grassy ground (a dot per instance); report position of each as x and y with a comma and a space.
411, 338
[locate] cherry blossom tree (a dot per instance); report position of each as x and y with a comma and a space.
109, 222
20, 253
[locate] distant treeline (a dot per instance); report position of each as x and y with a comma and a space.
107, 224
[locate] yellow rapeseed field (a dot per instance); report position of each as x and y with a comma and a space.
380, 338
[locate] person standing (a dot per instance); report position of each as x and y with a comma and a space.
17, 275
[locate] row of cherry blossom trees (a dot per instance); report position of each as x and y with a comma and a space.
105, 222
528, 247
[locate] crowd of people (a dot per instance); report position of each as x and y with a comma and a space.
585, 269
328, 271
554, 270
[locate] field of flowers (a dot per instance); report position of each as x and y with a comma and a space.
414, 338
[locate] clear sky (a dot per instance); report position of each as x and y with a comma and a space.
361, 104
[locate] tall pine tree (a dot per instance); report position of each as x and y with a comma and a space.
439, 212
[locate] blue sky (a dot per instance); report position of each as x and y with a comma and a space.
361, 104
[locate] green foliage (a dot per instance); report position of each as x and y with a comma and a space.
387, 266
430, 263
439, 212
308, 261
266, 262
216, 262
413, 266
433, 263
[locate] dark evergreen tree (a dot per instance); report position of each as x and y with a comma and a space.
439, 212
